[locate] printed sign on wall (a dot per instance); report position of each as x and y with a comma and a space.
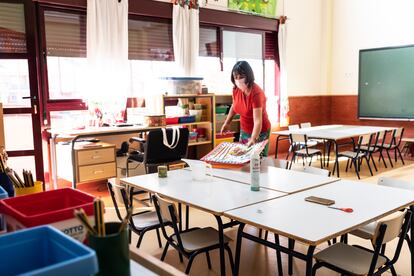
261, 7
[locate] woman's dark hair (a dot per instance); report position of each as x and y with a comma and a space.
243, 68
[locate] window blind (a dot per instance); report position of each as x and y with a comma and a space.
271, 45
150, 40
209, 44
65, 34
12, 28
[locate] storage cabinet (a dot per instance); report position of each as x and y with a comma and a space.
201, 146
223, 104
95, 162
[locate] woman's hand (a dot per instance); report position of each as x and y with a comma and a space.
251, 142
224, 128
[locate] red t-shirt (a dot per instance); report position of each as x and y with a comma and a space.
244, 106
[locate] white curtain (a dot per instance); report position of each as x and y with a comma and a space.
107, 52
186, 38
284, 102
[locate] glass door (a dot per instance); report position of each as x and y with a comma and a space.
19, 89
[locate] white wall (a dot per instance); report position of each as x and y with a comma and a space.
362, 24
307, 45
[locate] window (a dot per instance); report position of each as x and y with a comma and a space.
14, 71
151, 55
65, 34
12, 28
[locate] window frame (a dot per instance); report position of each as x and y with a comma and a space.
54, 104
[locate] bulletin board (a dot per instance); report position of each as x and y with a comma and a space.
265, 8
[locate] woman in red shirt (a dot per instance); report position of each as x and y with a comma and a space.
249, 101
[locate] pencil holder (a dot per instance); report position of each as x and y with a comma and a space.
7, 185
112, 250
37, 188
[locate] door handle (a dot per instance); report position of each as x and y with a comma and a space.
29, 97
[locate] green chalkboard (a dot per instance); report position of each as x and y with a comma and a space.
386, 83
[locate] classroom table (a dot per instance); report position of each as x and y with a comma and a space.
331, 133
213, 195
312, 224
282, 180
72, 135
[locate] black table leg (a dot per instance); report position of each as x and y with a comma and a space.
238, 249
309, 260
221, 241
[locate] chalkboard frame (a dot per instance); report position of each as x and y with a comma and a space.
361, 51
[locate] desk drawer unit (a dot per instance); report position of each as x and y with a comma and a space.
96, 156
96, 172
95, 163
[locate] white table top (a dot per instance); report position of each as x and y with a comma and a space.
311, 223
97, 130
277, 179
334, 132
213, 195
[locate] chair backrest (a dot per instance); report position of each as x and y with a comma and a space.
364, 140
305, 125
115, 197
387, 230
398, 134
298, 138
312, 170
167, 215
156, 152
293, 127
380, 139
395, 183
394, 224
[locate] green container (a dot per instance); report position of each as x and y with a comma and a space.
221, 109
112, 250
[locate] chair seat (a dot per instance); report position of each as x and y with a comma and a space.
310, 151
145, 220
200, 238
371, 148
136, 156
317, 141
352, 259
351, 154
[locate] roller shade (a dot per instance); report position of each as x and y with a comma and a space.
150, 40
209, 44
271, 45
65, 34
12, 28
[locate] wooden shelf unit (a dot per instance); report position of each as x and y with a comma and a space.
201, 147
235, 123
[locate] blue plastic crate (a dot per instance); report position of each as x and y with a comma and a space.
3, 193
45, 250
187, 119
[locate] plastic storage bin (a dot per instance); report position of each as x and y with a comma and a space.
187, 119
3, 193
52, 207
45, 251
37, 188
181, 85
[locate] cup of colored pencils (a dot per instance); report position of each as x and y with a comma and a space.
110, 241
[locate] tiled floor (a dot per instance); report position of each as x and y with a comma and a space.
258, 260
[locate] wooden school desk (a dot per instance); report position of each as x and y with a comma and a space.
332, 133
72, 135
282, 180
312, 224
213, 195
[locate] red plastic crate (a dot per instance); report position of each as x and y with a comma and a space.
172, 120
48, 207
